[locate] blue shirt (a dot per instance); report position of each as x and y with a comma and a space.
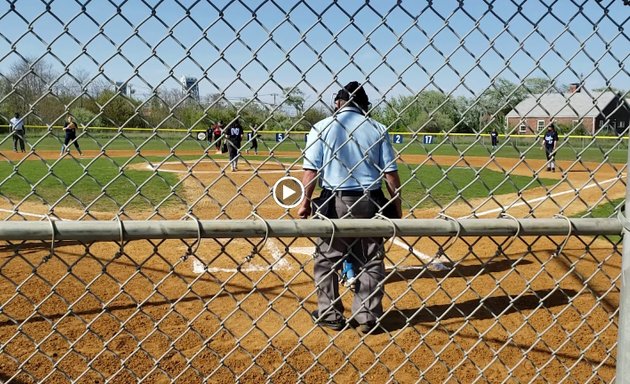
350, 150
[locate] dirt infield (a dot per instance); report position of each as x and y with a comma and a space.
505, 310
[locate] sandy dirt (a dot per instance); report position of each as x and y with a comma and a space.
238, 310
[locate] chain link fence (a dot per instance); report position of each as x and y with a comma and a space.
131, 251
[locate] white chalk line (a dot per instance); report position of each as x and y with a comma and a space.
279, 263
289, 167
537, 199
431, 261
22, 213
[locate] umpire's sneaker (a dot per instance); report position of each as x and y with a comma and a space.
336, 325
369, 327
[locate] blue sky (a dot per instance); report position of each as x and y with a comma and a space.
253, 46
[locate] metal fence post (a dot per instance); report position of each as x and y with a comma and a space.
623, 339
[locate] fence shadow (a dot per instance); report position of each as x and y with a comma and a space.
477, 309
35, 246
456, 270
4, 378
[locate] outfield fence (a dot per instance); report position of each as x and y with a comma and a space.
144, 257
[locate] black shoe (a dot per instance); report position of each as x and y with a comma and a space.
336, 325
368, 327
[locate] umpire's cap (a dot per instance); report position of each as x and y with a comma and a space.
354, 92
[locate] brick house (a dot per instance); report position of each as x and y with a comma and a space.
592, 110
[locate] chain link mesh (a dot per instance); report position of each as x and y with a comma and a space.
147, 81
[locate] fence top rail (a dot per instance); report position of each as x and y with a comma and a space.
177, 229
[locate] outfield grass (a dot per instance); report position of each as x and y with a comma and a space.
526, 149
100, 184
77, 183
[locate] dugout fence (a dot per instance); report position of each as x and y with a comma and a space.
147, 259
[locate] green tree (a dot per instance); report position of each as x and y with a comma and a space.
294, 97
428, 111
86, 117
118, 111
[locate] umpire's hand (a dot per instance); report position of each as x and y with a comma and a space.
305, 209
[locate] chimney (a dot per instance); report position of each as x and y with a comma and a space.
575, 87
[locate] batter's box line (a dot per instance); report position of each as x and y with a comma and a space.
434, 263
279, 264
289, 167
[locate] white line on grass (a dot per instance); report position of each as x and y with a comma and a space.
537, 199
22, 213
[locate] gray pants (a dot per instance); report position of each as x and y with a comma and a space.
367, 256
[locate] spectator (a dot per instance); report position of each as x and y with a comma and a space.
217, 132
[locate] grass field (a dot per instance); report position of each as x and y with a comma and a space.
596, 150
106, 183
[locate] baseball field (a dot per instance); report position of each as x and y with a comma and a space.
237, 310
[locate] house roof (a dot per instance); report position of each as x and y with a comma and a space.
578, 104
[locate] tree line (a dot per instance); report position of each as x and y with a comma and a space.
33, 89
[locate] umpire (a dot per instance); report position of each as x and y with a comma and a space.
349, 153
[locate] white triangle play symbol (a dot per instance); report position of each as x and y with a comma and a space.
287, 192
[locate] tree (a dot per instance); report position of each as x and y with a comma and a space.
118, 111
429, 111
86, 117
295, 98
27, 86
610, 88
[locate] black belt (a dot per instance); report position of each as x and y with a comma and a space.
354, 192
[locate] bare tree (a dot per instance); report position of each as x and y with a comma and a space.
30, 80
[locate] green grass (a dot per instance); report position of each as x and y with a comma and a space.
73, 183
77, 183
598, 151
460, 183
98, 183
605, 210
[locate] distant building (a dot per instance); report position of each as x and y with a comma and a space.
190, 87
592, 110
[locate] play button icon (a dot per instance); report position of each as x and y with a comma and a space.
288, 192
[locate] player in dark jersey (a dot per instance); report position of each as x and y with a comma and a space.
549, 145
494, 135
234, 137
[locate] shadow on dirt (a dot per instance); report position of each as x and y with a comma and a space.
425, 272
478, 309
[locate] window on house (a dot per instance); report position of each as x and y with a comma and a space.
522, 128
540, 126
